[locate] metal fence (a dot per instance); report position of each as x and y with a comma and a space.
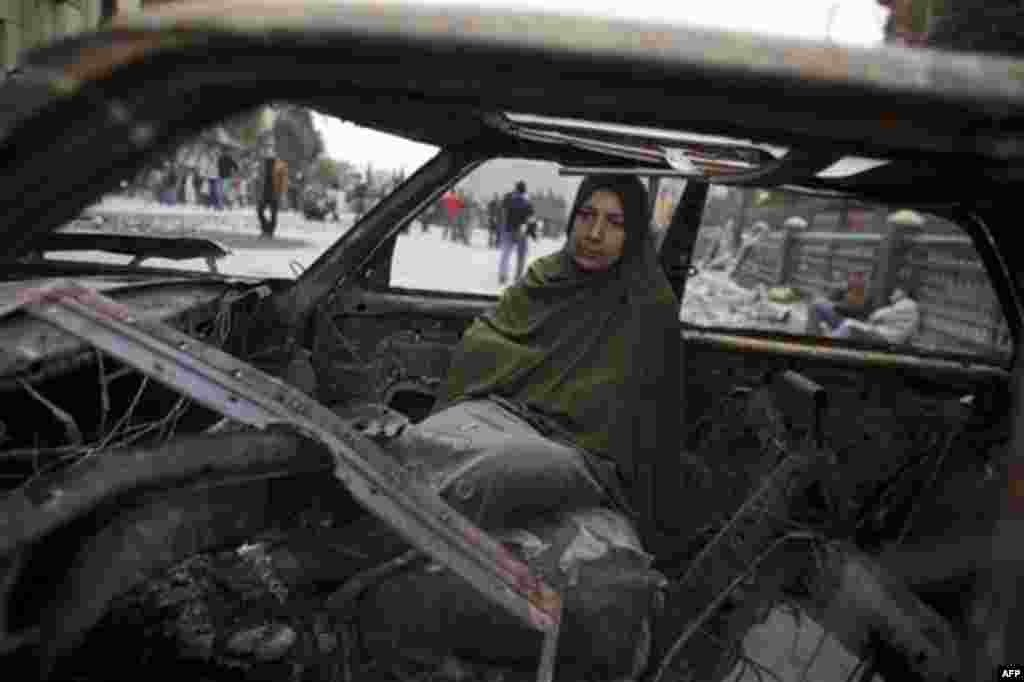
959, 308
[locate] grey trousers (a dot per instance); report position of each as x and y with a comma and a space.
491, 461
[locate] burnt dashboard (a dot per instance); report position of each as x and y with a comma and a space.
29, 345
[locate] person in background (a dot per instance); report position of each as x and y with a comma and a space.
849, 302
757, 231
194, 189
895, 323
445, 217
463, 219
721, 252
226, 169
359, 198
516, 210
452, 206
532, 226
334, 199
206, 190
169, 188
275, 184
493, 221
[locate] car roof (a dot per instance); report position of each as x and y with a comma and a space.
712, 73
948, 125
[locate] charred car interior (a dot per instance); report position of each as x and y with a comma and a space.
184, 452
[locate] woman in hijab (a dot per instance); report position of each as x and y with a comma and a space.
559, 423
586, 349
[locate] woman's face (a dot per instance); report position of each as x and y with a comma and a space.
599, 231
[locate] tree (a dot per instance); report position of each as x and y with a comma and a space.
330, 171
296, 139
247, 128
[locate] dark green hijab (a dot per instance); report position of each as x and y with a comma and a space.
598, 351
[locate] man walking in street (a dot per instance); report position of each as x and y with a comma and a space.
493, 221
359, 198
168, 192
334, 199
452, 206
275, 184
516, 210
206, 178
463, 218
226, 169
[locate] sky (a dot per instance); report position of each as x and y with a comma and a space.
847, 22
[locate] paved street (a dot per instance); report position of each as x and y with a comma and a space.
422, 260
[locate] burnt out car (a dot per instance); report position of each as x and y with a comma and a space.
211, 474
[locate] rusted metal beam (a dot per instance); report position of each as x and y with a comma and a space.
823, 350
245, 394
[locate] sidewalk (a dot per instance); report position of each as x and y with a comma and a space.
713, 299
296, 244
200, 218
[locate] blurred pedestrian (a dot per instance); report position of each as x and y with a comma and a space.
226, 169
242, 191
452, 206
206, 179
493, 221
895, 323
169, 188
334, 200
516, 210
275, 184
839, 304
445, 218
358, 199
186, 190
532, 226
463, 215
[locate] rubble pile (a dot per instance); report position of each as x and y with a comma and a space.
712, 299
